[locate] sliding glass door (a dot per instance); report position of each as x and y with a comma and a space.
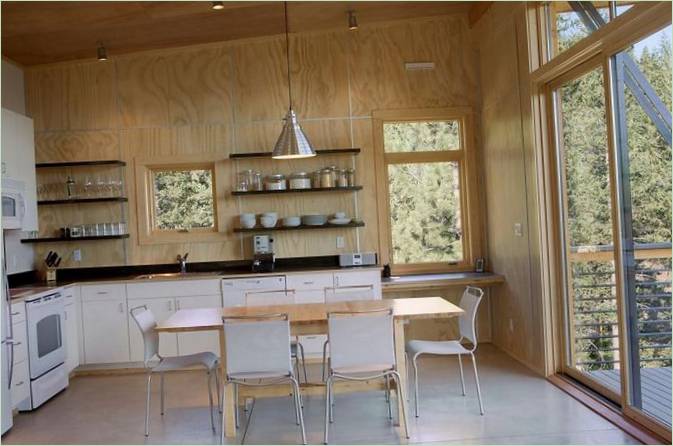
612, 139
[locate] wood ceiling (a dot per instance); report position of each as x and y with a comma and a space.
45, 32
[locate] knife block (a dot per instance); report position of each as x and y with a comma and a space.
51, 274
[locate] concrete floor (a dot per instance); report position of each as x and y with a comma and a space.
521, 408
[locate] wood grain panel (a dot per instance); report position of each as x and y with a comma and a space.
365, 175
200, 87
379, 79
46, 98
76, 146
92, 96
260, 80
143, 90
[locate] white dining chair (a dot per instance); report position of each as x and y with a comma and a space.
362, 348
258, 354
469, 302
208, 360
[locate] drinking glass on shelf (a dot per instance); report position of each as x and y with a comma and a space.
88, 186
100, 228
100, 186
121, 228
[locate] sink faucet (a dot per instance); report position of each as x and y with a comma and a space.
182, 261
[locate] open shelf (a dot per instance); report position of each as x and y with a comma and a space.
297, 191
72, 239
83, 163
353, 224
351, 151
84, 200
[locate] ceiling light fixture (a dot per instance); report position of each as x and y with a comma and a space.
352, 21
218, 5
292, 143
101, 52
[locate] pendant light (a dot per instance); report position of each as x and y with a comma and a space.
292, 143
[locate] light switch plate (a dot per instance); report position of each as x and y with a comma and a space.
518, 229
340, 243
77, 255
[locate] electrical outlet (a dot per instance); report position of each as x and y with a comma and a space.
518, 230
77, 255
340, 243
511, 324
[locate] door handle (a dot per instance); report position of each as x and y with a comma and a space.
16, 313
177, 304
170, 305
121, 307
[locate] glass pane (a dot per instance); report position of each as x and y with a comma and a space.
183, 199
48, 335
647, 172
425, 212
430, 136
593, 337
567, 27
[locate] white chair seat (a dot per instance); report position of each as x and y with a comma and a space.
205, 359
374, 368
417, 347
258, 375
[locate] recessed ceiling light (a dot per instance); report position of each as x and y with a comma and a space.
218, 5
352, 21
101, 52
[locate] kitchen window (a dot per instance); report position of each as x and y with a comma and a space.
422, 172
177, 202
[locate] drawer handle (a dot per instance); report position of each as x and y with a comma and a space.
16, 313
20, 383
17, 343
309, 283
121, 307
101, 292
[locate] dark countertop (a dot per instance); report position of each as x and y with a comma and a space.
419, 281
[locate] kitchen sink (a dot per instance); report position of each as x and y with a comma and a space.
159, 276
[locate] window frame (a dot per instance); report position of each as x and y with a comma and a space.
148, 233
471, 222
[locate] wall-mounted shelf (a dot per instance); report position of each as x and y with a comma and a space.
72, 239
83, 200
297, 191
354, 224
351, 151
83, 163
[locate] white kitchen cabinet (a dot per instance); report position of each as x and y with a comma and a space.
162, 308
255, 298
359, 278
189, 343
18, 160
73, 327
105, 324
20, 385
234, 290
310, 288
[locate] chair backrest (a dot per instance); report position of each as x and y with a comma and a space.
361, 339
146, 323
469, 302
258, 344
269, 297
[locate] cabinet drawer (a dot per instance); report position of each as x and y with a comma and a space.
309, 296
173, 288
309, 281
255, 283
20, 342
18, 311
354, 278
103, 292
313, 344
70, 294
20, 384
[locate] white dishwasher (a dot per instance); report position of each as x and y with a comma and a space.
234, 291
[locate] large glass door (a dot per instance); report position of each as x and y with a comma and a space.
592, 347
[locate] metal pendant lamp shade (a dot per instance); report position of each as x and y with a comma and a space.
292, 143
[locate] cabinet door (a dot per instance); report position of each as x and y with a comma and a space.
71, 337
360, 278
356, 292
105, 331
255, 298
309, 296
205, 341
161, 308
20, 388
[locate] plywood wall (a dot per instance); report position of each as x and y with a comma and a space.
230, 97
509, 181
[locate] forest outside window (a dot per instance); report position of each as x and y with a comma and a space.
183, 199
424, 164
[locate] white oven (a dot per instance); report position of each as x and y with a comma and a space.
45, 316
13, 203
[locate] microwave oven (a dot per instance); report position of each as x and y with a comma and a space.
13, 203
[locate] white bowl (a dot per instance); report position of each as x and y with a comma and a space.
270, 214
268, 221
340, 221
339, 215
314, 219
248, 220
291, 221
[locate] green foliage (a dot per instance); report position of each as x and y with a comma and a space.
424, 197
183, 199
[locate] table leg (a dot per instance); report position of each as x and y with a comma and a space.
402, 370
228, 403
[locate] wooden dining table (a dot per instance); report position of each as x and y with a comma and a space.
310, 319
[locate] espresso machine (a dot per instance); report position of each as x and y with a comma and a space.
263, 258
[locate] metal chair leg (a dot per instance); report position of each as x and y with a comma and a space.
390, 406
462, 379
300, 414
236, 408
400, 395
328, 407
303, 362
147, 405
331, 400
162, 393
476, 379
216, 370
210, 400
324, 360
416, 380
